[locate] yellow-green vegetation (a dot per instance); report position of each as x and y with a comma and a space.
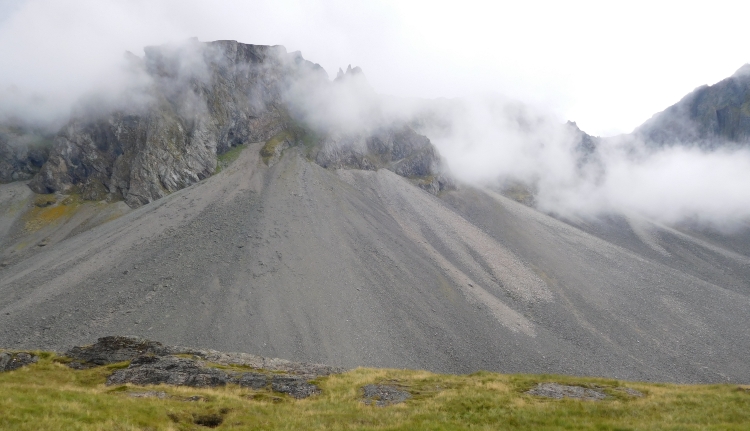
50, 396
226, 159
269, 149
48, 210
519, 192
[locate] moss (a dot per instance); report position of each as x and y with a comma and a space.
45, 200
226, 159
269, 149
47, 211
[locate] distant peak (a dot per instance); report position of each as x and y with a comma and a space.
742, 71
350, 72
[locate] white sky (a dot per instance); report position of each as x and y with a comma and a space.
606, 65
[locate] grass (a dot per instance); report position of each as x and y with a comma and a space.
47, 210
226, 159
48, 395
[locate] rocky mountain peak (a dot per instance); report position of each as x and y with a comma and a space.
186, 104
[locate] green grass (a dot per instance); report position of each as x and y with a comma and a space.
50, 396
226, 159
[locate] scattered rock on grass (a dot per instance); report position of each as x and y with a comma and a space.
558, 391
384, 395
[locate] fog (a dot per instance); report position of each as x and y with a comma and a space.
492, 88
493, 141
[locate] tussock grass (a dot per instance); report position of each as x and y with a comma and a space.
50, 396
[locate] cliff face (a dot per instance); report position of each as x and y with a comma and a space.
202, 99
398, 149
709, 116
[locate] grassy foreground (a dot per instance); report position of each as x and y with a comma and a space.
50, 396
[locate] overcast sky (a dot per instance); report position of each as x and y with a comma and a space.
606, 65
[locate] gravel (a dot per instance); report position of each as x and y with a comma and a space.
362, 268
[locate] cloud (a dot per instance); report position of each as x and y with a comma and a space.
492, 141
57, 51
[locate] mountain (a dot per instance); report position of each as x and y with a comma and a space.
332, 234
710, 116
195, 101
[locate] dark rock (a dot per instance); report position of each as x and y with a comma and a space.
558, 391
252, 380
153, 370
22, 152
13, 361
108, 350
383, 395
295, 386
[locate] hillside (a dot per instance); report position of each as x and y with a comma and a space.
709, 116
362, 268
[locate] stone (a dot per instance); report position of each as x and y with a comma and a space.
558, 391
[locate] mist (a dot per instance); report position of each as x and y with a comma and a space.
493, 141
501, 123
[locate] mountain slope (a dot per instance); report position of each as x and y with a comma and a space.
352, 267
709, 116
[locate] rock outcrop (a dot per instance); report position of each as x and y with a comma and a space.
22, 153
109, 350
398, 149
189, 103
10, 361
199, 100
152, 363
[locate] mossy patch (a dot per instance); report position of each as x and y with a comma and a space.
270, 148
49, 209
226, 159
45, 200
